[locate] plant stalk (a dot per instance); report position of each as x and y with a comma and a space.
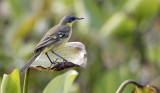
125, 83
25, 86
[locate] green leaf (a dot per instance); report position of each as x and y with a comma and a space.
62, 83
16, 7
0, 83
142, 9
110, 25
146, 9
95, 13
11, 83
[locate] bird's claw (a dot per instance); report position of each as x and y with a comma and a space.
64, 60
54, 62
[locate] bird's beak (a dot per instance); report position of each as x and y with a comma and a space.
79, 18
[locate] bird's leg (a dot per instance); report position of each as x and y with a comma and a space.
64, 60
50, 59
52, 64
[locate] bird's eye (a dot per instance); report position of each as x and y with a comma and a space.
72, 19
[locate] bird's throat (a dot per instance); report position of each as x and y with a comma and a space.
70, 24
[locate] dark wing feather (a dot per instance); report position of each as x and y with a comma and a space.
47, 39
46, 43
55, 34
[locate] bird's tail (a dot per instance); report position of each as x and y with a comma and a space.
30, 62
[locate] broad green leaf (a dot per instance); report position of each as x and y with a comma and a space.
62, 83
11, 83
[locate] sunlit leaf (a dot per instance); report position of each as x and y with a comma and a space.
24, 28
64, 7
95, 13
11, 83
18, 30
62, 83
74, 52
131, 5
83, 25
111, 24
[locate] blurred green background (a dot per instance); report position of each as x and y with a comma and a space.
122, 39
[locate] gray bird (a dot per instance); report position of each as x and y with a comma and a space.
57, 36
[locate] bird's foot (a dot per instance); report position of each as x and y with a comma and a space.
54, 62
64, 60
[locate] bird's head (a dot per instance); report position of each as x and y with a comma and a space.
69, 20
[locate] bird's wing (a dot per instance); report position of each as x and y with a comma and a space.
55, 34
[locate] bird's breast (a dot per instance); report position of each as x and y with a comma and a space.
64, 38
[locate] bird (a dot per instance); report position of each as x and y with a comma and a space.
57, 36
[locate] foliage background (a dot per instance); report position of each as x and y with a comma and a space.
121, 37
